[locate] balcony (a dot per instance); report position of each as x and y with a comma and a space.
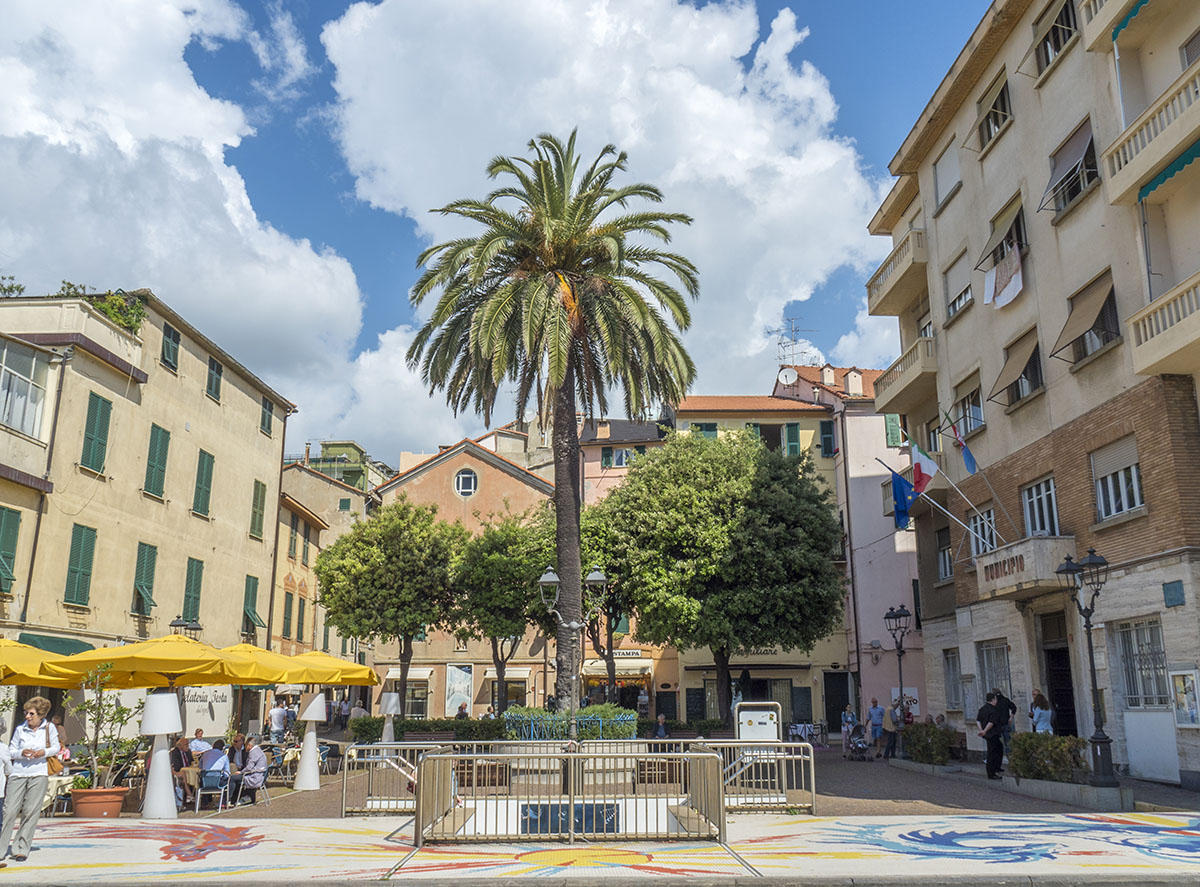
1166, 333
900, 279
937, 488
1022, 569
910, 381
1097, 18
1159, 134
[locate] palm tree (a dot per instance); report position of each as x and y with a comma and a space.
560, 296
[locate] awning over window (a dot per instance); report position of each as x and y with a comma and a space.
1085, 308
144, 593
516, 673
1067, 161
1018, 358
624, 666
1004, 222
289, 690
985, 108
415, 673
1176, 165
52, 644
252, 615
1045, 23
1129, 17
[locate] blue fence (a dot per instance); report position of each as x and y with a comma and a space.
557, 726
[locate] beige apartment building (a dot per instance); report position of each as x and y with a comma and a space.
138, 476
1046, 279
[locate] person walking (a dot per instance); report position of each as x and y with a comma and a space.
1040, 714
5, 768
277, 720
988, 719
891, 728
32, 743
462, 714
875, 716
849, 722
1007, 710
344, 713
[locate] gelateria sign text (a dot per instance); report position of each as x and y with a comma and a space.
1024, 568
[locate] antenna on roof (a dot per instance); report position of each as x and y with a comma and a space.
795, 349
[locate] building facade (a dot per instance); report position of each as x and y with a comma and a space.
607, 448
1045, 278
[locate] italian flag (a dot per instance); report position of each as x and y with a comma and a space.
924, 468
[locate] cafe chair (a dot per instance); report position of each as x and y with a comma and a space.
213, 782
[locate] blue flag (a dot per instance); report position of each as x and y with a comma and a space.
903, 496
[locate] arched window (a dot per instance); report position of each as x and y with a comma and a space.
466, 482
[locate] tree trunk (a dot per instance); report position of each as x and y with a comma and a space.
406, 655
610, 660
567, 541
501, 662
724, 685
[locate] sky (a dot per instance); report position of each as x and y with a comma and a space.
268, 168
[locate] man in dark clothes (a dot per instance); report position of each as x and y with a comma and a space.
988, 719
1008, 709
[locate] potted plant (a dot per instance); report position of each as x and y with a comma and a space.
93, 794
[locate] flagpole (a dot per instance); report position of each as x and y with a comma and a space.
954, 486
983, 542
996, 498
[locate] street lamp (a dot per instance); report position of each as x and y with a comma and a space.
187, 627
1091, 571
896, 619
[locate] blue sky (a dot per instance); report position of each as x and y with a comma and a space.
266, 167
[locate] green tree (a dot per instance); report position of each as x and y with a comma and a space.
9, 286
726, 545
560, 296
390, 576
496, 591
607, 605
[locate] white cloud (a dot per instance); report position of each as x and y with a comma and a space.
874, 341
282, 55
780, 201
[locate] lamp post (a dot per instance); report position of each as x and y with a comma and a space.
1073, 576
187, 627
897, 619
548, 587
160, 718
308, 771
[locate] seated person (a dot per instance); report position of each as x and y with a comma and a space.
215, 759
237, 753
199, 744
253, 775
181, 757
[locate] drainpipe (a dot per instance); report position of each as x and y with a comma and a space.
67, 354
850, 563
275, 547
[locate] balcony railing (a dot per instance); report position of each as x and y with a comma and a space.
1166, 333
935, 485
900, 271
897, 389
1160, 130
1098, 18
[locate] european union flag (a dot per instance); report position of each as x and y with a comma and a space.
903, 496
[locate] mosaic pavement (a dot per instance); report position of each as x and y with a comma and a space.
1077, 845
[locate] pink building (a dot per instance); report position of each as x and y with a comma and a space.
607, 447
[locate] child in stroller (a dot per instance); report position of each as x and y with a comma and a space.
859, 749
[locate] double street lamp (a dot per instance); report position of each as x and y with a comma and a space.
1090, 572
548, 587
187, 627
897, 621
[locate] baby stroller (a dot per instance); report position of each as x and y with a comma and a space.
860, 749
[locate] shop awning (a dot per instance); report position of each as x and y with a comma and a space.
513, 673
1176, 165
1004, 222
289, 690
624, 666
1018, 358
52, 644
1085, 308
415, 673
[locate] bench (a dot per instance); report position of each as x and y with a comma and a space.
433, 736
491, 774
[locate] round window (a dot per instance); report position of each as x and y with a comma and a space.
466, 482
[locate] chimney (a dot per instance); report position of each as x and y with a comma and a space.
603, 430
307, 450
853, 382
827, 376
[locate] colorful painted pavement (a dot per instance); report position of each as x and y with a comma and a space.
946, 848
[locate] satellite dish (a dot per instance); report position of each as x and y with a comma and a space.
788, 376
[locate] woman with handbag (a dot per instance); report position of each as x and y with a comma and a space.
34, 749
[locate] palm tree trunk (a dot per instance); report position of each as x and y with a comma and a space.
567, 539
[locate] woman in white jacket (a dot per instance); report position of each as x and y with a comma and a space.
32, 743
5, 767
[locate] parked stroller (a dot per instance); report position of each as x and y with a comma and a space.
860, 749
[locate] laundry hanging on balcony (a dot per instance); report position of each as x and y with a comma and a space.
1003, 281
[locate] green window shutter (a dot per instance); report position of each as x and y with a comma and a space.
292, 536
143, 579
156, 460
622, 626
95, 432
191, 590
640, 450
420, 635
606, 457
287, 614
755, 429
10, 523
268, 414
325, 637
304, 551
213, 389
300, 619
828, 446
793, 438
250, 617
257, 508
891, 424
204, 475
343, 504
79, 565
706, 429
343, 646
170, 347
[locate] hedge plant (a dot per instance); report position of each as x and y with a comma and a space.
928, 743
704, 727
1046, 756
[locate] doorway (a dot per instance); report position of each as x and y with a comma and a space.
1060, 689
837, 697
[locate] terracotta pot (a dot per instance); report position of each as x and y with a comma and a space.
97, 803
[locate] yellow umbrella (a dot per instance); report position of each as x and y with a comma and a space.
285, 669
340, 671
21, 664
173, 660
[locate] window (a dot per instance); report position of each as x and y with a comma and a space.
705, 429
466, 482
514, 692
156, 461
288, 599
993, 667
1106, 329
1190, 51
606, 457
1072, 169
460, 645
191, 590
946, 177
952, 670
1054, 31
933, 436
79, 565
792, 439
1011, 233
10, 524
307, 540
945, 555
294, 535
143, 579
213, 389
1041, 508
250, 618
1118, 478
416, 700
258, 506
343, 504
1030, 379
983, 531
1143, 663
204, 475
995, 110
925, 327
957, 281
968, 409
170, 347
618, 457
300, 619
267, 417
343, 647
22, 387
325, 636
95, 433
828, 443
